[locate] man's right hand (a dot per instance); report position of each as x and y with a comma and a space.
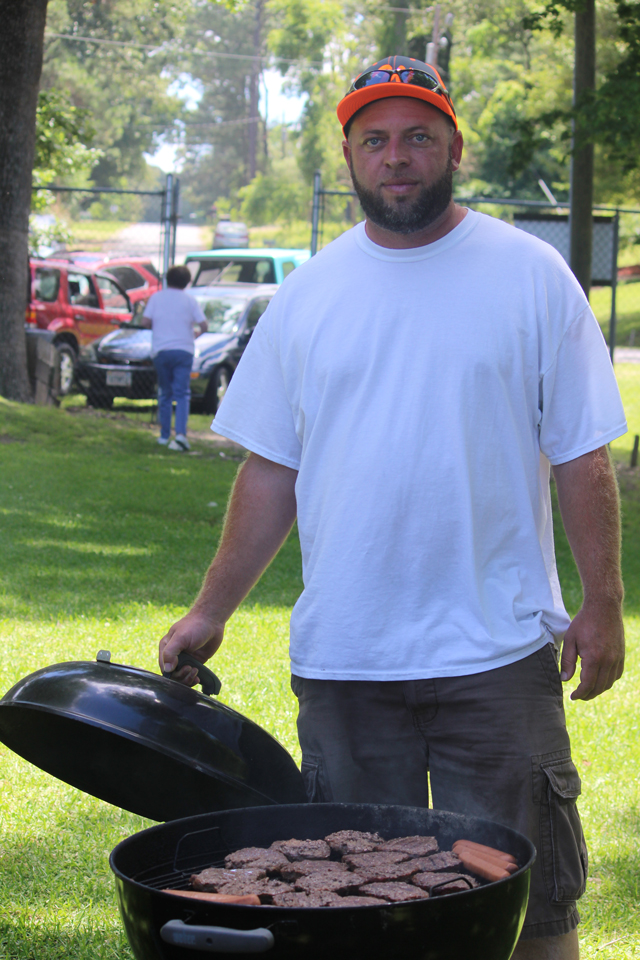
196, 634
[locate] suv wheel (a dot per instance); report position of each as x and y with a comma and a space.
67, 367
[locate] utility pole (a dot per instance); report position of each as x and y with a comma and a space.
254, 92
265, 125
444, 51
400, 28
168, 202
581, 196
434, 45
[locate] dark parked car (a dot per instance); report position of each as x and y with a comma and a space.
120, 364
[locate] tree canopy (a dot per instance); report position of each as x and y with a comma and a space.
510, 65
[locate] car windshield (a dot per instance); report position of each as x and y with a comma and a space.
223, 313
228, 270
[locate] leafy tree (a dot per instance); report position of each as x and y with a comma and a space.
63, 146
278, 195
609, 116
63, 150
123, 88
216, 53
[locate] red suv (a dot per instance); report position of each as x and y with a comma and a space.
78, 305
136, 275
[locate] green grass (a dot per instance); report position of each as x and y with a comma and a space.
105, 539
295, 235
627, 312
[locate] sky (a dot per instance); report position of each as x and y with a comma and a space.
279, 106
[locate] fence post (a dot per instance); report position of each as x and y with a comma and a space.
166, 223
175, 216
614, 284
315, 211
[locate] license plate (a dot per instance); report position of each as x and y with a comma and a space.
118, 378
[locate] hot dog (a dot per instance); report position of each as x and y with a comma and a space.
489, 853
250, 899
489, 869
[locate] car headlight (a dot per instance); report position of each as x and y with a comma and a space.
89, 353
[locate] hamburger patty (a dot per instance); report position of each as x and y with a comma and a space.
414, 846
346, 882
302, 849
387, 872
353, 841
393, 892
373, 859
212, 879
263, 888
305, 868
439, 861
319, 898
257, 857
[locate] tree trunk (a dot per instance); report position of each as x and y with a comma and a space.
584, 82
21, 44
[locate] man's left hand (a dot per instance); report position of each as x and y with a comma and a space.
596, 635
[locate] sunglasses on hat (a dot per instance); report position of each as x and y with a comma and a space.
411, 75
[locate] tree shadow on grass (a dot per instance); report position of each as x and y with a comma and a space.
101, 565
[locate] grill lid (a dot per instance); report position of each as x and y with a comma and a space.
144, 742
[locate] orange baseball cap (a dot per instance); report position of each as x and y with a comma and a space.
396, 77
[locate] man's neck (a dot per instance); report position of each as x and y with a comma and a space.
445, 223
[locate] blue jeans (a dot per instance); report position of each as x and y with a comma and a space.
174, 371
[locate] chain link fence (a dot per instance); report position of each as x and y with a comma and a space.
615, 294
87, 239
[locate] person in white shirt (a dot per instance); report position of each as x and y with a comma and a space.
405, 396
174, 317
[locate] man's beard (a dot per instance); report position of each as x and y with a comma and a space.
407, 216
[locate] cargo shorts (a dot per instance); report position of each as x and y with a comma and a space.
491, 745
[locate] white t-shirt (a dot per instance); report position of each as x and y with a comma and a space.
174, 315
421, 394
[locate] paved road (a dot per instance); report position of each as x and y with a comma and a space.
626, 355
144, 240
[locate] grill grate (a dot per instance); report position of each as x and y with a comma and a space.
194, 851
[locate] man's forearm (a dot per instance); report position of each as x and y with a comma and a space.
261, 512
588, 498
590, 509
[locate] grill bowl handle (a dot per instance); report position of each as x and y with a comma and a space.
216, 939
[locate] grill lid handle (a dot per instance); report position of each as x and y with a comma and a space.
216, 939
208, 681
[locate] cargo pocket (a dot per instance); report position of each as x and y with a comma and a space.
312, 775
563, 849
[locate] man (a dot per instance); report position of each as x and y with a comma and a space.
404, 396
174, 317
